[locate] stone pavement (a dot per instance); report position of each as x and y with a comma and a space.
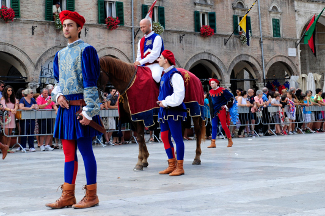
281, 175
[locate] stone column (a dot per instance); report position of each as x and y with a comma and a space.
33, 86
260, 86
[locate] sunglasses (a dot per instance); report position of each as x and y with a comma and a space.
9, 90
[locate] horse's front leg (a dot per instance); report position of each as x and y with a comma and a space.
141, 143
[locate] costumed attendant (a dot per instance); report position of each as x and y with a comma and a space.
150, 48
172, 112
221, 101
76, 69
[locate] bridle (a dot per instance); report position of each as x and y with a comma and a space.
128, 86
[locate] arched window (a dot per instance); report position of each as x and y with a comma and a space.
240, 5
275, 9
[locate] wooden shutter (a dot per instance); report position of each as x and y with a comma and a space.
144, 11
235, 19
197, 24
248, 23
276, 27
15, 5
70, 5
101, 12
49, 10
161, 16
120, 12
212, 21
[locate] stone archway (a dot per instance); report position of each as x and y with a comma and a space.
211, 61
111, 51
244, 72
206, 66
17, 56
279, 64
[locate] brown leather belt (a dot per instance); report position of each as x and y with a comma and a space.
92, 124
80, 102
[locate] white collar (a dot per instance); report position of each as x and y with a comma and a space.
148, 35
168, 69
216, 88
74, 42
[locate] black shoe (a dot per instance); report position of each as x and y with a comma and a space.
268, 134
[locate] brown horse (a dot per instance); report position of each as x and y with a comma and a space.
121, 75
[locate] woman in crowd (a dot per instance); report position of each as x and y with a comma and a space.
243, 117
9, 103
277, 116
27, 126
291, 114
257, 108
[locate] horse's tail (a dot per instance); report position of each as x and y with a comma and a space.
203, 129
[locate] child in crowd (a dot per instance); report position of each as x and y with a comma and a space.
276, 102
291, 113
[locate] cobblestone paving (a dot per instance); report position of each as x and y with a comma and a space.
281, 175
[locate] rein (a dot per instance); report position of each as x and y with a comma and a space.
131, 80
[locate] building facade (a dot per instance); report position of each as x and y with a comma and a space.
29, 43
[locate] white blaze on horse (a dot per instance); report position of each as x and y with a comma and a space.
138, 97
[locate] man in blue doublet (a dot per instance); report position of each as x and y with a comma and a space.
76, 69
172, 112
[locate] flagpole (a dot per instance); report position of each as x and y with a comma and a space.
303, 35
262, 49
238, 24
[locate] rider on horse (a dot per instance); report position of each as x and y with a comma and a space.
150, 48
172, 112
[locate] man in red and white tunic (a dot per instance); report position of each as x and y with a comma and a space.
150, 48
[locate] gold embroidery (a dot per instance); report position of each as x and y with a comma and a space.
149, 42
187, 78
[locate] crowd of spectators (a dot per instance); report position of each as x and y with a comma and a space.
289, 117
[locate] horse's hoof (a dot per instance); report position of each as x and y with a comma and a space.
146, 164
196, 162
138, 168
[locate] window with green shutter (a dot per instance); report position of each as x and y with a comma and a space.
212, 21
15, 5
161, 16
197, 24
235, 21
120, 12
145, 9
248, 20
49, 10
276, 27
70, 5
101, 12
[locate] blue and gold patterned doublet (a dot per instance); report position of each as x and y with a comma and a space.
76, 69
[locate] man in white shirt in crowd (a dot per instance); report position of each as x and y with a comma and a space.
150, 48
56, 9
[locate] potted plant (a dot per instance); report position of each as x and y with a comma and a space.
206, 31
112, 23
7, 14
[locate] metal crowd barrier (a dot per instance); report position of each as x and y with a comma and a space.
25, 124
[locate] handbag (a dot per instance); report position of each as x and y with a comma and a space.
7, 118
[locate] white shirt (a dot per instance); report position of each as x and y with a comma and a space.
155, 52
178, 96
55, 9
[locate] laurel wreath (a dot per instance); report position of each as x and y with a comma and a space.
57, 22
157, 28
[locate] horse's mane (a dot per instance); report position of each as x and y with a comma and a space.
117, 68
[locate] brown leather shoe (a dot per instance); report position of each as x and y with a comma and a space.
179, 169
230, 142
67, 198
90, 199
171, 166
213, 144
4, 150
